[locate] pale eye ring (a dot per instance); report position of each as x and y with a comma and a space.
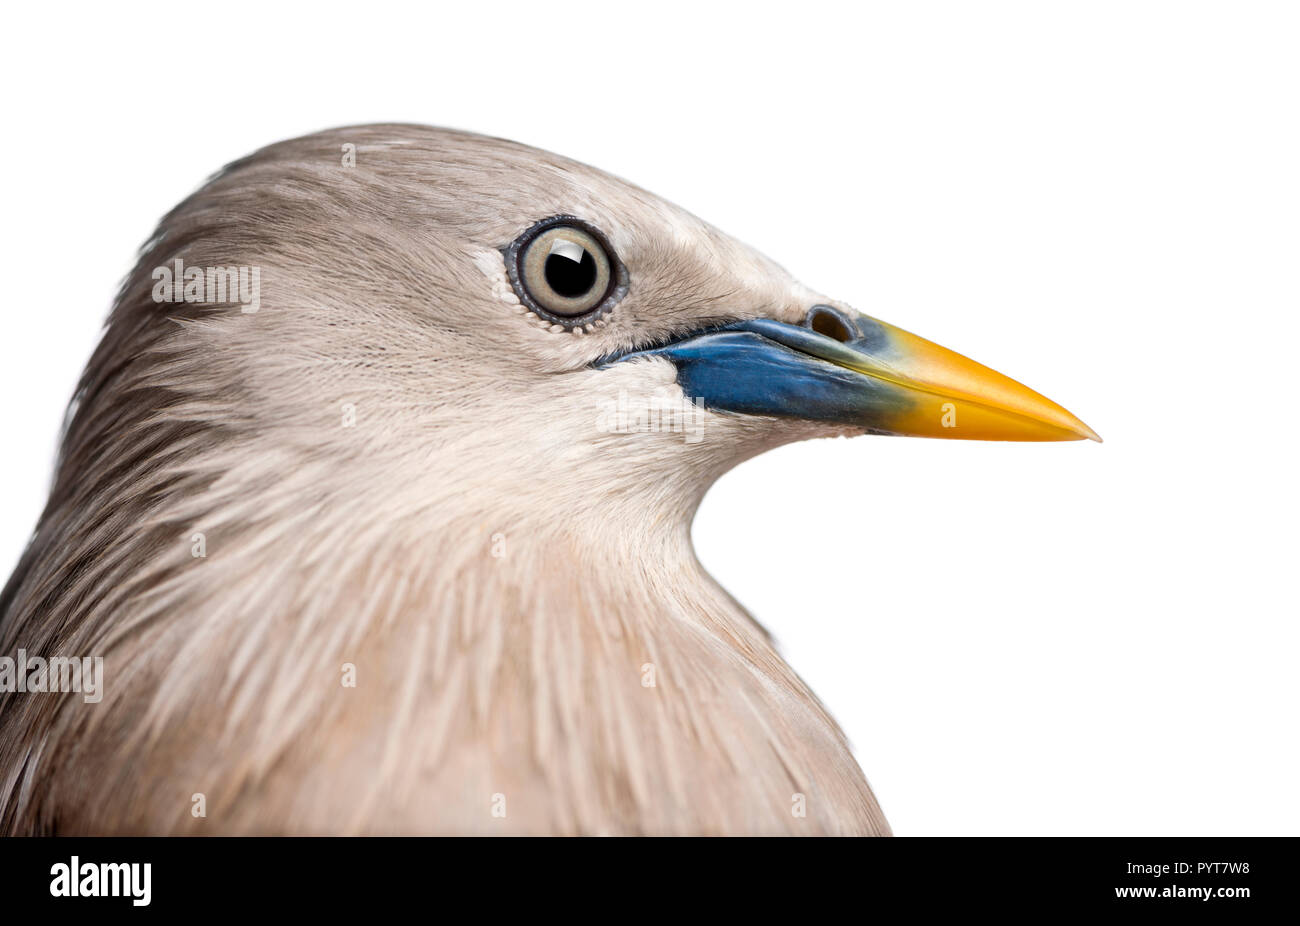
564, 271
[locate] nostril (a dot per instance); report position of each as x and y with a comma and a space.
827, 321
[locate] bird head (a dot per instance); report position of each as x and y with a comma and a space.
505, 319
439, 338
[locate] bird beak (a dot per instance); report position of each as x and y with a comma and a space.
851, 369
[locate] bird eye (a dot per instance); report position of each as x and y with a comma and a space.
562, 269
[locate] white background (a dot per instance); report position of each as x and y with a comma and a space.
1099, 199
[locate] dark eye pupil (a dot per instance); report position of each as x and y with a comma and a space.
568, 277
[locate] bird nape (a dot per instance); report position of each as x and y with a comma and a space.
375, 501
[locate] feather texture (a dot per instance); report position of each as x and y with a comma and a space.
534, 645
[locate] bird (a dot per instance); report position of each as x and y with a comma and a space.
375, 500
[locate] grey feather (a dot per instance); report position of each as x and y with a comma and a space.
499, 571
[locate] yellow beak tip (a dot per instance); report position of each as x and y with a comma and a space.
1089, 433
